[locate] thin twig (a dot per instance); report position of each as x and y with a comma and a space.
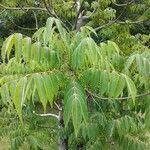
50, 4
23, 28
118, 22
105, 25
48, 114
23, 8
36, 21
58, 107
53, 13
48, 10
119, 98
114, 21
122, 5
45, 126
2, 11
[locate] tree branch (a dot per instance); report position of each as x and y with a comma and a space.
53, 13
23, 8
119, 98
23, 28
58, 107
105, 25
2, 11
79, 16
114, 21
36, 21
122, 5
48, 114
50, 4
48, 9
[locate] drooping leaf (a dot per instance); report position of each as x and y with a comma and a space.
5, 94
18, 46
49, 26
19, 96
7, 47
131, 87
41, 90
27, 48
75, 106
145, 15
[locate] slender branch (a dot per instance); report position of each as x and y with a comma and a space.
23, 8
122, 5
105, 25
116, 21
23, 28
2, 11
48, 114
53, 13
26, 75
48, 10
36, 21
58, 107
129, 22
50, 4
92, 13
40, 126
112, 22
120, 98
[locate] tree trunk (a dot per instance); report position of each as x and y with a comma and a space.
79, 18
62, 142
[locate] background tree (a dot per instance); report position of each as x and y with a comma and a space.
124, 22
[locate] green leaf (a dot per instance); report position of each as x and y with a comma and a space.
131, 87
90, 29
147, 119
75, 106
114, 78
51, 85
49, 26
112, 45
7, 47
37, 35
39, 81
146, 67
19, 96
5, 95
120, 86
129, 62
18, 46
110, 128
35, 51
140, 64
104, 80
76, 113
145, 16
27, 48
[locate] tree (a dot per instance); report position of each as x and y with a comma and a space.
76, 13
124, 22
102, 97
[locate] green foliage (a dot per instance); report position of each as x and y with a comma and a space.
95, 84
36, 133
